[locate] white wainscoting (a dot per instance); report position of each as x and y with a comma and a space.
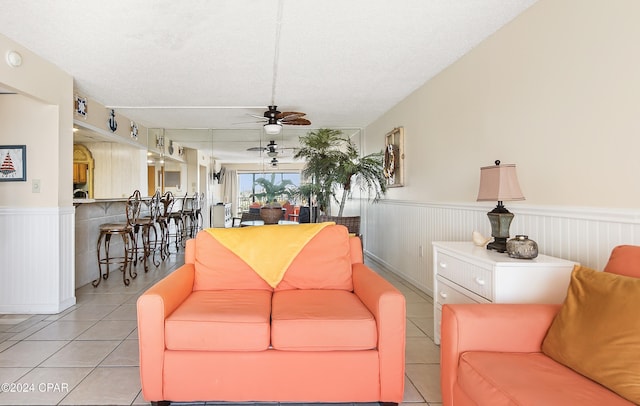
398, 234
37, 260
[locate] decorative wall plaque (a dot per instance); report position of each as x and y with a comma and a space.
113, 124
394, 157
134, 130
80, 106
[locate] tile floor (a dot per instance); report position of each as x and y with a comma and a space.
88, 354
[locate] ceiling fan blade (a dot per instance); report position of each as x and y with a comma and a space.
262, 118
258, 149
290, 115
247, 122
298, 121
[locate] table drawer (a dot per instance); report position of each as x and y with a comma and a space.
449, 293
478, 280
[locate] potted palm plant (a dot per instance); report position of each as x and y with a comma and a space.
335, 166
271, 211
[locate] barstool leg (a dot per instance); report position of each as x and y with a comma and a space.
145, 248
162, 256
128, 240
179, 231
134, 240
164, 252
96, 282
153, 248
185, 230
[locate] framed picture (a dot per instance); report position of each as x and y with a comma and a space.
394, 157
14, 163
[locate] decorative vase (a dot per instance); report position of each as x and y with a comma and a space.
271, 215
522, 247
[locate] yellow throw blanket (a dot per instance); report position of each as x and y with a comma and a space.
268, 250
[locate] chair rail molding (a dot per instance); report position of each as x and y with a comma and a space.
398, 233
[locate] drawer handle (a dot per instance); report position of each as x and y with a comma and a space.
480, 281
443, 264
443, 295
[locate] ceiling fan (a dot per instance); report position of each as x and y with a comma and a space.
274, 119
271, 149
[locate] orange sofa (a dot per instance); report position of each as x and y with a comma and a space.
330, 330
492, 354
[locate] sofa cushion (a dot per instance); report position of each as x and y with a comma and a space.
497, 378
270, 249
218, 268
624, 260
324, 263
597, 331
321, 320
223, 320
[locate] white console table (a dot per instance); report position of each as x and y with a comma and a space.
465, 273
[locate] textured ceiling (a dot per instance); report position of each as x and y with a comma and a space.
211, 63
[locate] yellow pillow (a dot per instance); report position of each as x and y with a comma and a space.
597, 331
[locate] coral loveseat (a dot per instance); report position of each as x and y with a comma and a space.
328, 329
583, 352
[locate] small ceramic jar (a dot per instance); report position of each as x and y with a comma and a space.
522, 247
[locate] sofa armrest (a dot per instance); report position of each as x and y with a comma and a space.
387, 304
153, 307
355, 244
489, 327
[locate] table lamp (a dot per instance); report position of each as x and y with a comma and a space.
499, 183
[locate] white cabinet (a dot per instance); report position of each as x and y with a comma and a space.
465, 273
221, 215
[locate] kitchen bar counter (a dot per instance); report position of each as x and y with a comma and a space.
90, 213
115, 199
81, 201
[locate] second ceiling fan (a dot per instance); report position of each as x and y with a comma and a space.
271, 149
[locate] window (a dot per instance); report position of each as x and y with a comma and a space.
247, 186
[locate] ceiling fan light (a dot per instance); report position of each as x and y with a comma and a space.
272, 154
272, 129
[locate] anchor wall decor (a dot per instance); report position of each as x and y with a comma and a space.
113, 124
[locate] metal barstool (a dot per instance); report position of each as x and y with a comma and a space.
166, 206
193, 214
188, 215
125, 231
142, 229
199, 220
177, 215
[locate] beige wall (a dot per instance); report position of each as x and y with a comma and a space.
97, 119
556, 92
40, 117
41, 138
48, 97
